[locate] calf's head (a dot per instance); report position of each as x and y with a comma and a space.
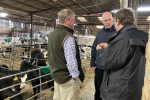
23, 81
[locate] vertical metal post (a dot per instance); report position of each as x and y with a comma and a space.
40, 84
55, 24
123, 3
31, 33
134, 4
149, 28
11, 56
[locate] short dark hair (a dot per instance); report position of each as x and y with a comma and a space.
125, 16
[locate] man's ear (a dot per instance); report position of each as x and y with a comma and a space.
102, 21
66, 21
118, 22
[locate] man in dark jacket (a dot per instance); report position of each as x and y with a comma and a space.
123, 59
101, 37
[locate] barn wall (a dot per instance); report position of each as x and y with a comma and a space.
6, 28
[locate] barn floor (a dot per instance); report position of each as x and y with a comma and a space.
85, 90
88, 92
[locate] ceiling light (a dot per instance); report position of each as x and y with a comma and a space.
148, 18
82, 19
3, 14
75, 24
100, 18
99, 26
144, 9
114, 11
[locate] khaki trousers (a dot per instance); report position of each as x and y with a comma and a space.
66, 91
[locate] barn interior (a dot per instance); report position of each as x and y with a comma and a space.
26, 24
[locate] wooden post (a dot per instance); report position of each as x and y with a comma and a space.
146, 87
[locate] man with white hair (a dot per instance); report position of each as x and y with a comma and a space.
64, 57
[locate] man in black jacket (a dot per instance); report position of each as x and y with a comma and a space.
102, 37
123, 59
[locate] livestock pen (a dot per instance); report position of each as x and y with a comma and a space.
14, 58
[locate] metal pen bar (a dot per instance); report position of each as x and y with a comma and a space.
38, 94
23, 82
25, 91
22, 73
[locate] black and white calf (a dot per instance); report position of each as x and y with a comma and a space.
4, 67
8, 92
9, 82
4, 51
24, 66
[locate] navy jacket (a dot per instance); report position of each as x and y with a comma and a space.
101, 37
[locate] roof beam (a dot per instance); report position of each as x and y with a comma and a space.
111, 4
80, 6
7, 6
42, 10
96, 5
65, 6
15, 1
11, 8
48, 6
13, 19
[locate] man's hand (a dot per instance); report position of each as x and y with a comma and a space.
75, 79
103, 45
98, 47
93, 68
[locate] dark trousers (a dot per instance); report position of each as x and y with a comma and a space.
98, 82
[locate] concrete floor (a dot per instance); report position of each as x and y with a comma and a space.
88, 92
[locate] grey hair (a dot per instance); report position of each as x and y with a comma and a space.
64, 14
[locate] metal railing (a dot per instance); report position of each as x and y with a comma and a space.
13, 55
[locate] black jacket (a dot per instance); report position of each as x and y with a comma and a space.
101, 37
124, 63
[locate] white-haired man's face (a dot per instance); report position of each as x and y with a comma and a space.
70, 23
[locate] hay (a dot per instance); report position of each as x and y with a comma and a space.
30, 92
86, 89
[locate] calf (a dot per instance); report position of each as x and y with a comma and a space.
8, 92
2, 52
9, 82
44, 51
4, 67
24, 66
37, 55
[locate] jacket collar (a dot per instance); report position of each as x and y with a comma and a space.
124, 28
63, 27
109, 29
127, 27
